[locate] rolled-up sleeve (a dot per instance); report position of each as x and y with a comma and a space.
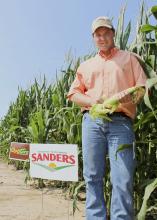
77, 85
138, 72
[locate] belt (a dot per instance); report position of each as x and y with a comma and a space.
113, 114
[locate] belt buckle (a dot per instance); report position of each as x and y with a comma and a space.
85, 111
126, 116
118, 114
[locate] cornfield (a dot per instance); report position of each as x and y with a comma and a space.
42, 114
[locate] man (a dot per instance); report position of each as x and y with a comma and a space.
106, 74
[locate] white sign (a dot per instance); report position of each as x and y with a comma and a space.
54, 161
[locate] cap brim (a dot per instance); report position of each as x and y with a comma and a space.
109, 26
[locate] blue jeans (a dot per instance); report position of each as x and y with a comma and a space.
100, 137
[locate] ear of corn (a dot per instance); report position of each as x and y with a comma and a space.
110, 105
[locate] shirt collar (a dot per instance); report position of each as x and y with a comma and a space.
112, 53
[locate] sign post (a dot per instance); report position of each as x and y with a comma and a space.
54, 162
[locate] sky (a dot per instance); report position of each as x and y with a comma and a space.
36, 35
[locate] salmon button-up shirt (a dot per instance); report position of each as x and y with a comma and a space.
106, 76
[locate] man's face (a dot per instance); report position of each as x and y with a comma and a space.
104, 38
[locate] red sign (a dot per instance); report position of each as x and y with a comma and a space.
19, 151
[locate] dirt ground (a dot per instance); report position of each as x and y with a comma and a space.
23, 202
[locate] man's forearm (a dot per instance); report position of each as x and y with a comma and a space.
81, 99
86, 101
133, 99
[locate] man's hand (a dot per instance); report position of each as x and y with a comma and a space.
137, 97
98, 100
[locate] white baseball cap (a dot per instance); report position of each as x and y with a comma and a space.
101, 21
